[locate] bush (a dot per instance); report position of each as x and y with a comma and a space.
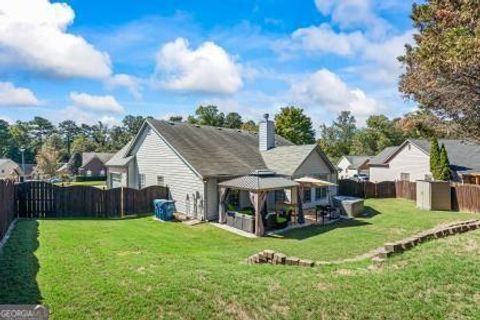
247, 210
90, 178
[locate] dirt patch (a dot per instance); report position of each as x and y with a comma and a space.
235, 309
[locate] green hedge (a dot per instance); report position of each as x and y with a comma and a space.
90, 178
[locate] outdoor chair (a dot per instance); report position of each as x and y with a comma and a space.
276, 220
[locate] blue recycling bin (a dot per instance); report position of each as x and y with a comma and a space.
164, 209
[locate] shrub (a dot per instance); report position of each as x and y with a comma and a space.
90, 178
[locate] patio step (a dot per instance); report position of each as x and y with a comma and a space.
192, 222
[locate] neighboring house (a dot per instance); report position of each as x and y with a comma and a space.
411, 161
93, 163
9, 169
28, 170
348, 166
192, 159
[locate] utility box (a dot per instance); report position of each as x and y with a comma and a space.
434, 195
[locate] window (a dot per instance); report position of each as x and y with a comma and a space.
307, 195
141, 181
279, 196
233, 200
320, 193
116, 180
102, 172
160, 181
405, 176
89, 173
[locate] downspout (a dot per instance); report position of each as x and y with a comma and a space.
205, 199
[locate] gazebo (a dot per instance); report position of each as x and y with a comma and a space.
258, 183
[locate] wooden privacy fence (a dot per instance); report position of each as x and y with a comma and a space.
7, 205
466, 197
37, 199
384, 189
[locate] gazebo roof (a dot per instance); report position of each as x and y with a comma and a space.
310, 181
259, 180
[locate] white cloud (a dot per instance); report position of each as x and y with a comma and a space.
324, 39
124, 80
383, 55
324, 89
354, 13
107, 104
209, 68
33, 34
81, 116
14, 96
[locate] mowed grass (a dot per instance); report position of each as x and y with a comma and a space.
143, 269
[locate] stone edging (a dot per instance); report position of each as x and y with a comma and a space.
392, 248
378, 255
277, 258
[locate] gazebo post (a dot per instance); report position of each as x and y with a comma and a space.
258, 198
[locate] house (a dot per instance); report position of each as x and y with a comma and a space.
411, 161
348, 166
192, 160
9, 169
93, 164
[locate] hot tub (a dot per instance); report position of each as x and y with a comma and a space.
349, 206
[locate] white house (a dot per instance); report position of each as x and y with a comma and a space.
411, 161
192, 159
348, 166
9, 169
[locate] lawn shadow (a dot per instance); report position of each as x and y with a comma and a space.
19, 265
369, 212
318, 229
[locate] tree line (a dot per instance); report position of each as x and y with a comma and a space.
46, 143
65, 138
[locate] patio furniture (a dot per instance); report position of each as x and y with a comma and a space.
241, 221
322, 211
258, 183
274, 220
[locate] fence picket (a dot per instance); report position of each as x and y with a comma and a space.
35, 199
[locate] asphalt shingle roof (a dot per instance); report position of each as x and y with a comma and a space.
213, 151
287, 159
383, 156
464, 156
119, 159
88, 156
357, 161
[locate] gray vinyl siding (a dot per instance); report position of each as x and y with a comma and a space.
409, 159
6, 169
212, 199
315, 166
155, 158
312, 166
346, 173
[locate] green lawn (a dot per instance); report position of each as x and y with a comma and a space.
98, 184
143, 269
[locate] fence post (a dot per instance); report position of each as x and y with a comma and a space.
122, 205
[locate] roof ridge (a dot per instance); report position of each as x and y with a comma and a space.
203, 126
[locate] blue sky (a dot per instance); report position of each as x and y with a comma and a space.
100, 60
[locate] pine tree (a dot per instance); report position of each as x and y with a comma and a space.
434, 158
444, 165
